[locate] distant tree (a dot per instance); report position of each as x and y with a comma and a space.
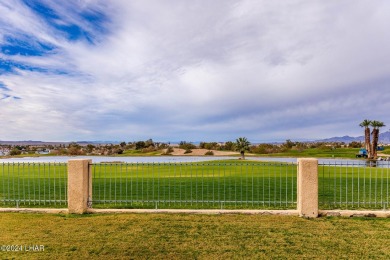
229, 146
168, 151
208, 146
242, 145
301, 146
289, 144
149, 143
122, 144
74, 149
15, 151
74, 144
161, 145
375, 136
265, 148
130, 145
186, 146
367, 142
140, 145
90, 148
212, 146
355, 144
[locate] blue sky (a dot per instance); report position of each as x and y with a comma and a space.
192, 70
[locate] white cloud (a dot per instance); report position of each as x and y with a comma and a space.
200, 70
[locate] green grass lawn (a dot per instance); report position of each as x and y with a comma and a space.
33, 185
205, 185
317, 153
221, 184
353, 187
175, 236
140, 153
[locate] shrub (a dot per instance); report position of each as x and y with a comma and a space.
161, 145
187, 151
148, 149
74, 150
186, 146
267, 148
209, 153
169, 151
15, 152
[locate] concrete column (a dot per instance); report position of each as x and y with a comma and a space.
308, 187
79, 185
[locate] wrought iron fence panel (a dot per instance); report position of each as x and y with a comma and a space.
357, 185
33, 184
194, 185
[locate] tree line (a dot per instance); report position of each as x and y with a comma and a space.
241, 145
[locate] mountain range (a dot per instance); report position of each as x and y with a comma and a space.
383, 138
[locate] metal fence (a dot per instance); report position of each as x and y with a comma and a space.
259, 185
33, 184
194, 185
357, 185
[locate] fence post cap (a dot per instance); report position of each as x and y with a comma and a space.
79, 159
308, 159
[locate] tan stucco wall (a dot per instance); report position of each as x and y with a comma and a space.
79, 185
308, 187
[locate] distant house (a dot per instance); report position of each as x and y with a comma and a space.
4, 152
42, 151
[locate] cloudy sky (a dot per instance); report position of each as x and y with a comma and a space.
198, 70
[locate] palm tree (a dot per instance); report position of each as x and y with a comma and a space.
366, 124
375, 136
242, 145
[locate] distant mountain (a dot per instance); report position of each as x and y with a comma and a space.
41, 143
97, 142
345, 139
30, 142
383, 138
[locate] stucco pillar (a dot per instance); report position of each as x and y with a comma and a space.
79, 185
308, 187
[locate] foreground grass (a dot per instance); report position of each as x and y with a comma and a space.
162, 236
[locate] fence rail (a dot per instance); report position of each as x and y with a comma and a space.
195, 185
354, 185
212, 185
33, 184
